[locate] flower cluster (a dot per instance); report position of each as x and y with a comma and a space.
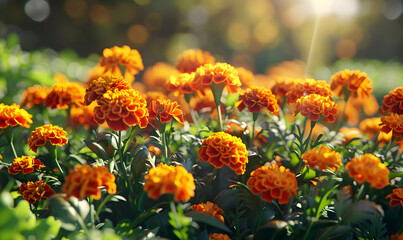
103, 84
180, 84
155, 76
211, 209
356, 82
165, 110
273, 182
191, 59
25, 164
393, 122
256, 99
314, 105
165, 179
13, 115
396, 197
323, 158
368, 168
86, 181
246, 77
222, 148
393, 102
64, 93
34, 95
308, 86
371, 127
55, 135
35, 191
82, 115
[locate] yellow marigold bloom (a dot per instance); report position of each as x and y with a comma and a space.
164, 179
64, 93
165, 110
314, 105
35, 191
283, 85
246, 77
86, 181
368, 168
323, 158
55, 135
34, 95
191, 59
219, 73
25, 164
273, 182
350, 133
204, 103
179, 84
219, 236
392, 102
114, 58
211, 209
256, 99
155, 76
396, 197
14, 115
82, 115
356, 82
223, 148
104, 84
308, 86
371, 127
393, 122
122, 109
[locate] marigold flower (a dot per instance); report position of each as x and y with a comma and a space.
349, 134
314, 105
220, 73
284, 85
64, 93
393, 122
396, 197
219, 236
396, 236
55, 135
34, 95
165, 110
25, 164
165, 179
371, 127
180, 84
323, 158
86, 181
104, 84
392, 102
246, 77
356, 82
273, 182
122, 109
35, 191
113, 58
94, 73
204, 103
211, 209
82, 115
256, 99
368, 168
191, 59
306, 87
155, 76
14, 115
223, 148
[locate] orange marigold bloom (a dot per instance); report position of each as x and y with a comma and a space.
396, 236
122, 109
113, 58
165, 179
393, 122
55, 135
180, 84
396, 197
64, 93
256, 99
34, 95
349, 134
314, 105
323, 158
155, 76
246, 77
14, 115
86, 181
371, 127
283, 85
94, 73
356, 82
82, 115
35, 191
104, 84
211, 209
165, 110
219, 73
273, 182
392, 102
306, 87
368, 168
223, 148
191, 59
25, 164
219, 236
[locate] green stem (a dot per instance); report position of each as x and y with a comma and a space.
389, 146
53, 153
164, 142
255, 115
306, 142
12, 145
178, 223
217, 92
101, 206
260, 213
90, 201
121, 166
201, 198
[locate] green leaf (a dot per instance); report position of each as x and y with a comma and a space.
207, 219
395, 174
308, 173
275, 229
97, 149
71, 213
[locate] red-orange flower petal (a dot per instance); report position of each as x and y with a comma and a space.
314, 105
34, 95
55, 135
393, 102
25, 164
393, 122
165, 109
396, 197
211, 209
64, 93
323, 158
191, 59
256, 99
13, 115
35, 191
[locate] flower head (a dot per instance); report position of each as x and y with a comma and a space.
371, 127
86, 181
356, 82
165, 110
211, 209
55, 135
246, 77
308, 86
219, 236
34, 95
396, 197
25, 164
273, 182
324, 158
368, 168
223, 148
256, 99
164, 179
81, 115
393, 102
191, 59
35, 191
393, 122
314, 105
64, 93
13, 115
114, 58
121, 109
180, 84
155, 76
